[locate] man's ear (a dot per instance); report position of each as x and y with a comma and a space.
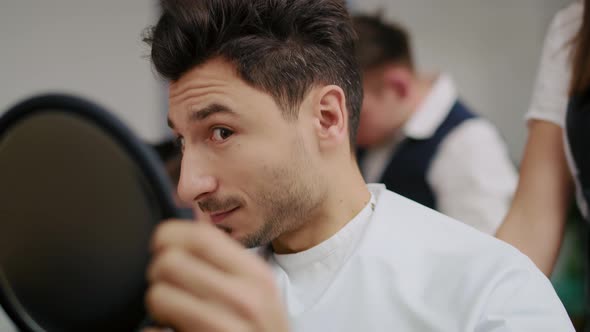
398, 80
331, 116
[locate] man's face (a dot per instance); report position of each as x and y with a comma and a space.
381, 110
248, 169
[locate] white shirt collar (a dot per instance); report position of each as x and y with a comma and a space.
305, 276
335, 249
433, 110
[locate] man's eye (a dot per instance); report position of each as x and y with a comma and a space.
221, 134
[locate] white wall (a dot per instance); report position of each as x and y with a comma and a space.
89, 48
492, 48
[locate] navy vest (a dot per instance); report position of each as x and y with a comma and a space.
406, 172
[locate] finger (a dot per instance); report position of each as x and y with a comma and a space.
186, 272
210, 244
171, 306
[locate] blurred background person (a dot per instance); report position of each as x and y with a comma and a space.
418, 138
556, 162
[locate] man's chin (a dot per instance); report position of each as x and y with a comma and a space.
227, 230
234, 235
249, 241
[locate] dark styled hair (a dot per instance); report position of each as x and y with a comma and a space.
380, 43
581, 55
282, 47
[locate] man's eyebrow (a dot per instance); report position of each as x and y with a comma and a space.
202, 114
207, 111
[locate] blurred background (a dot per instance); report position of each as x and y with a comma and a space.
491, 48
94, 49
88, 48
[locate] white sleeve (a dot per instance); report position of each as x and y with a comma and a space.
523, 299
472, 176
550, 94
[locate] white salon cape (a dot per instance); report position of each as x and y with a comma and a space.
399, 266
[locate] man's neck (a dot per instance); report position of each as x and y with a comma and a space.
347, 196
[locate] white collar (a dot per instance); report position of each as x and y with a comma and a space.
433, 110
341, 242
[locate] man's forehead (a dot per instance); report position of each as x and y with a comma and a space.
202, 92
195, 87
214, 69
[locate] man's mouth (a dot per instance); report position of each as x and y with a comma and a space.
218, 216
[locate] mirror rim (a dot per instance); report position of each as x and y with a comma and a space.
111, 126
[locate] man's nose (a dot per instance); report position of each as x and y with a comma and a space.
195, 179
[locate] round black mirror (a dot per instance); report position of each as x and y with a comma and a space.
79, 199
